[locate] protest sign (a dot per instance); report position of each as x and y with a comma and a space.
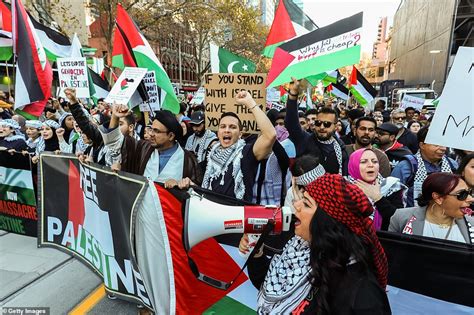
72, 73
199, 97
411, 101
153, 102
17, 196
453, 121
126, 85
84, 220
221, 89
273, 95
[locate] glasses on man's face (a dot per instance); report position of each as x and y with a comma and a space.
156, 130
326, 124
400, 118
463, 194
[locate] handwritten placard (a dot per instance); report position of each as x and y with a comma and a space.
411, 101
72, 73
126, 85
221, 89
453, 121
199, 97
153, 102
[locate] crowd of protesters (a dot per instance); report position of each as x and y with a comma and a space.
345, 171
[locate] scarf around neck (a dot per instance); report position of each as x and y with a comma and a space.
287, 281
218, 163
201, 143
337, 150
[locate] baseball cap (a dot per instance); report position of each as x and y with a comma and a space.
197, 118
388, 127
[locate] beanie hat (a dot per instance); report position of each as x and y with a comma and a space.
347, 204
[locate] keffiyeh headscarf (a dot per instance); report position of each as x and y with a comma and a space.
337, 150
348, 204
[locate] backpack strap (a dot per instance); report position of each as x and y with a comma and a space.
414, 168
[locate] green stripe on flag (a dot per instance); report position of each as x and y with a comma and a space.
318, 65
23, 195
6, 53
26, 115
359, 98
229, 306
269, 51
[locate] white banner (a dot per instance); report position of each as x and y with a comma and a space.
153, 102
453, 121
72, 73
411, 101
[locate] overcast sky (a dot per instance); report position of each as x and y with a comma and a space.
324, 12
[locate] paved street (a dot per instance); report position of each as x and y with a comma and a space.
46, 277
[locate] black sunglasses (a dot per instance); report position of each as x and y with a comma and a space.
326, 124
463, 194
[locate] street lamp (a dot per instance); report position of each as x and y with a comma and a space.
433, 53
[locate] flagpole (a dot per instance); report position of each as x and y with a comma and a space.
8, 76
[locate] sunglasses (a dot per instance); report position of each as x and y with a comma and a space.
326, 124
463, 194
400, 118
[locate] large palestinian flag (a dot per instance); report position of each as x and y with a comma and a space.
360, 88
98, 87
55, 44
34, 75
289, 22
325, 49
6, 43
131, 49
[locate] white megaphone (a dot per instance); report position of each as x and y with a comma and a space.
205, 219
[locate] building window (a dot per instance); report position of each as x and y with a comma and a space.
380, 72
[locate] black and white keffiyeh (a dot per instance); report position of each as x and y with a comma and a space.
310, 176
218, 162
337, 149
421, 174
201, 143
287, 282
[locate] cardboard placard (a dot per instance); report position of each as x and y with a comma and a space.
411, 101
273, 95
72, 73
126, 85
153, 102
221, 89
453, 121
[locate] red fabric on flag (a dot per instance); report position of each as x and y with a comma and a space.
194, 296
282, 91
76, 198
353, 77
281, 60
282, 28
126, 24
329, 88
6, 18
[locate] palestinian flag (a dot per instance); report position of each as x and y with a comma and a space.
132, 49
223, 61
34, 75
360, 88
6, 43
337, 90
17, 196
325, 49
289, 22
98, 88
55, 44
215, 257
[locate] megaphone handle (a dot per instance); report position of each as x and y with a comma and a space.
268, 228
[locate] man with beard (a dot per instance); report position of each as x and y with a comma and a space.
161, 159
364, 136
321, 142
406, 137
385, 139
201, 140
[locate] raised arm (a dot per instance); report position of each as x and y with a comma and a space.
263, 146
296, 134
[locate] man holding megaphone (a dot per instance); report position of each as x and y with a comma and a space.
232, 163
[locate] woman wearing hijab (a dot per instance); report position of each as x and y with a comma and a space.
386, 194
49, 140
335, 263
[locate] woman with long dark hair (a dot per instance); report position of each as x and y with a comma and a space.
335, 263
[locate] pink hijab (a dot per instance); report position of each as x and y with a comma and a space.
354, 163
